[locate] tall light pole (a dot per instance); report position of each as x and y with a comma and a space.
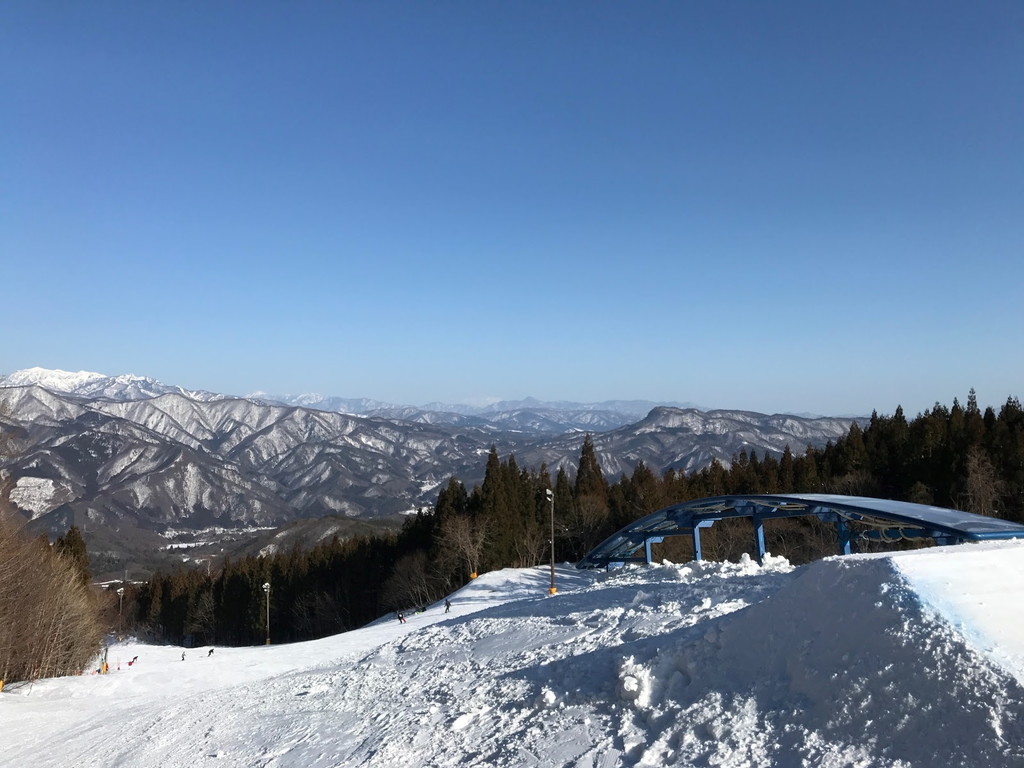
266, 588
551, 498
120, 610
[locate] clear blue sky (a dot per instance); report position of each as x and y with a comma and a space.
799, 206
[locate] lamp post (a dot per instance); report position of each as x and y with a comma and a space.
551, 498
266, 588
120, 610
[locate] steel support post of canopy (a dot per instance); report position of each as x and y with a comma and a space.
695, 532
759, 538
843, 536
648, 541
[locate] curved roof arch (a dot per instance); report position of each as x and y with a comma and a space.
882, 519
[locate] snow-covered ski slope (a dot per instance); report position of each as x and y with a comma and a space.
914, 659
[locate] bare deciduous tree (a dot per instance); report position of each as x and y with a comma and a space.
983, 486
462, 540
49, 622
412, 583
531, 547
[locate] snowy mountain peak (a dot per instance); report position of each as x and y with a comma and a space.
53, 380
126, 386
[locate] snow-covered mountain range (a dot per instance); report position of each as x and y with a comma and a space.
94, 385
128, 451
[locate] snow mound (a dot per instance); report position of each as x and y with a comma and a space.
853, 663
901, 660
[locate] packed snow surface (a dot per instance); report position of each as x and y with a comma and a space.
912, 659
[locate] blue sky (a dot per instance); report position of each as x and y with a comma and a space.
802, 207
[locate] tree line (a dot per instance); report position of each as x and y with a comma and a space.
955, 456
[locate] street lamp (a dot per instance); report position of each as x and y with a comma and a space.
551, 498
266, 588
120, 610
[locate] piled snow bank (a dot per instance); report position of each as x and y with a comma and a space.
856, 662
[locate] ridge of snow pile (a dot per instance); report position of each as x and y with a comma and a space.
855, 661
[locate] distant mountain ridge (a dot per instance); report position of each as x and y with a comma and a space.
601, 415
87, 384
133, 387
129, 452
507, 414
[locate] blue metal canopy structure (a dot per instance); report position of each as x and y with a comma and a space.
878, 519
